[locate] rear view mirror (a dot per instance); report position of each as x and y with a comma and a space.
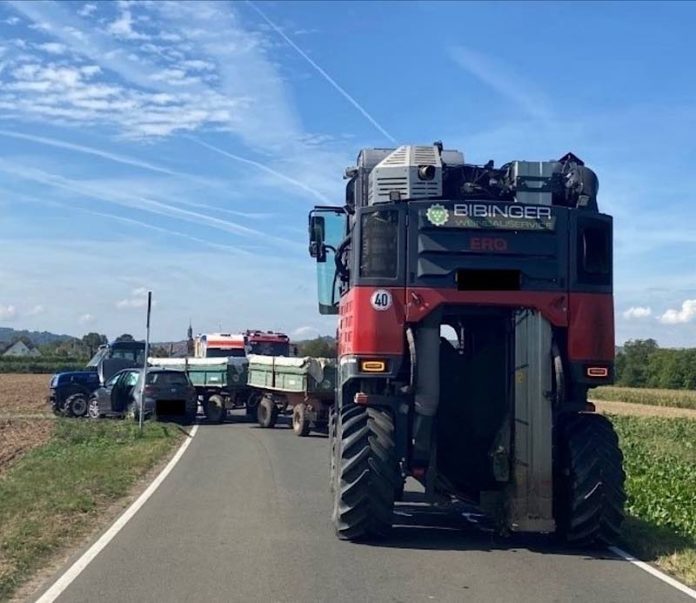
317, 234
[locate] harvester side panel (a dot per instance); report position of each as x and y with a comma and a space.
531, 500
591, 327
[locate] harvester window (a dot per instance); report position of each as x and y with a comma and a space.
379, 244
594, 254
595, 248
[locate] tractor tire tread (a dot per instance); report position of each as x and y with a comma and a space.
368, 473
590, 496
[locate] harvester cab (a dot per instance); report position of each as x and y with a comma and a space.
475, 311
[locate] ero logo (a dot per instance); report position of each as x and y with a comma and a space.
488, 244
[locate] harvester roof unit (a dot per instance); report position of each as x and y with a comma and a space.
431, 172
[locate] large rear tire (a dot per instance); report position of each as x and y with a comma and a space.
77, 405
300, 422
267, 413
332, 449
367, 473
589, 481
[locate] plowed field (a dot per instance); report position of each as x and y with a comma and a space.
22, 397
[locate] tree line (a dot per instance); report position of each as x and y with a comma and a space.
642, 363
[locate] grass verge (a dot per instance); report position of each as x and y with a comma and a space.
54, 494
677, 398
660, 464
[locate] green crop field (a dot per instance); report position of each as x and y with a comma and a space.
660, 464
677, 398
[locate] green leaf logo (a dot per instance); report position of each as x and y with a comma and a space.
437, 214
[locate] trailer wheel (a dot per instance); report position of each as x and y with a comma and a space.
367, 473
252, 405
589, 481
76, 405
214, 409
267, 412
300, 422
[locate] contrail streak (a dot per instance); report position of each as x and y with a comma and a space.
125, 160
262, 167
323, 73
136, 202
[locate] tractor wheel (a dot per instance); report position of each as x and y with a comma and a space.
300, 421
214, 409
367, 473
93, 409
76, 405
589, 481
267, 412
332, 449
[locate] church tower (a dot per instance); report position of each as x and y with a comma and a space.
190, 344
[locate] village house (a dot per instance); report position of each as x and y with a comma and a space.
19, 349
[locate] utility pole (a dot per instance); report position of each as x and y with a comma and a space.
147, 353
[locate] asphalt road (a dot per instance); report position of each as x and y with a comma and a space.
244, 516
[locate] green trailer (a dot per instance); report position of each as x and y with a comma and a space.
305, 385
221, 383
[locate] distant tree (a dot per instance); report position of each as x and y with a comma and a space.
321, 347
92, 341
633, 362
125, 337
159, 351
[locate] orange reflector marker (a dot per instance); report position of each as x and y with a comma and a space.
373, 366
360, 398
597, 371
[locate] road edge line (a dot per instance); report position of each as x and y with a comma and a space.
690, 592
88, 556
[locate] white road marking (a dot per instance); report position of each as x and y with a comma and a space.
689, 592
76, 568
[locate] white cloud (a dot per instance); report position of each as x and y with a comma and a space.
221, 78
11, 20
123, 26
137, 299
637, 312
53, 47
35, 311
86, 319
87, 10
8, 313
685, 314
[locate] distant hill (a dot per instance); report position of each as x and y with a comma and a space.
36, 337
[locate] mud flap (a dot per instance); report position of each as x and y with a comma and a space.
530, 497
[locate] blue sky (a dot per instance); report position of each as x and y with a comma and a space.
179, 146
